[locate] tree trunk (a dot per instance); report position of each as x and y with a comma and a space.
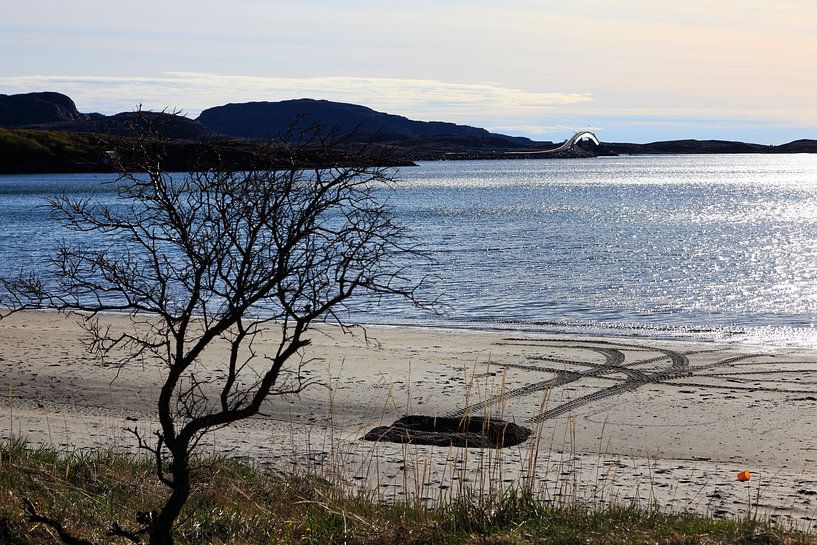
161, 532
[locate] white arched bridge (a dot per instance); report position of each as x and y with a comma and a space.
568, 144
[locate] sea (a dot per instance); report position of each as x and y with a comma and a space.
698, 247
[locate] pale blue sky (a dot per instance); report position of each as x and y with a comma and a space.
634, 70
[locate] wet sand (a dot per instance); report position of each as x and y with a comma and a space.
617, 419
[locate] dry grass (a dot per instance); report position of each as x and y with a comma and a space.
239, 504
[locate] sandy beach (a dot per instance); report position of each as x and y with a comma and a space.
617, 419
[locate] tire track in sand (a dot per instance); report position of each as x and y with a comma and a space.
615, 363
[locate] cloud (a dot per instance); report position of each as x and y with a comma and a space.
539, 130
782, 116
192, 92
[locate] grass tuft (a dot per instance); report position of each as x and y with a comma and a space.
236, 503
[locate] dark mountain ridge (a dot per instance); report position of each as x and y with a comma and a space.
57, 112
244, 124
259, 120
252, 121
37, 108
688, 146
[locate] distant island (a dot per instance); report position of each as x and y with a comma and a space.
45, 132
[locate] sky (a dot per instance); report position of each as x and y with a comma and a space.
630, 70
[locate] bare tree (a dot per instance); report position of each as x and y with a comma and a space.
215, 256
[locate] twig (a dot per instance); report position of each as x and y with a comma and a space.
118, 531
56, 525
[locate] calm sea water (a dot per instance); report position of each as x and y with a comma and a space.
705, 247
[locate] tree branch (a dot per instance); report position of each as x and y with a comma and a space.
54, 524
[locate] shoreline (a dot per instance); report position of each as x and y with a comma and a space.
674, 438
738, 335
612, 330
410, 161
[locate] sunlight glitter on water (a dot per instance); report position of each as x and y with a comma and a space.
718, 247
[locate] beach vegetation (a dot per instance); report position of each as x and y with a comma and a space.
242, 504
27, 150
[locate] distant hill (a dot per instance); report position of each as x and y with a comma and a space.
257, 120
57, 112
37, 108
37, 151
679, 147
686, 146
798, 146
44, 132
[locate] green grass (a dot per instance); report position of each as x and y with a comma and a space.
24, 146
236, 503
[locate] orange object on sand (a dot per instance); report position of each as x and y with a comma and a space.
744, 475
